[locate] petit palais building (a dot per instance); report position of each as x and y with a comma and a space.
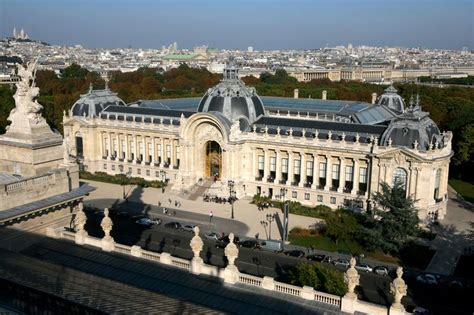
314, 151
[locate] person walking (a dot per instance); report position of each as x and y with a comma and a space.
210, 216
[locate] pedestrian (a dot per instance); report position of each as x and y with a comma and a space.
159, 203
169, 200
257, 235
210, 216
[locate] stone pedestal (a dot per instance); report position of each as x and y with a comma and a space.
196, 265
80, 237
307, 293
231, 274
348, 303
396, 310
136, 251
268, 283
107, 244
165, 258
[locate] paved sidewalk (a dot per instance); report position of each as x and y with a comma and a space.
244, 211
451, 240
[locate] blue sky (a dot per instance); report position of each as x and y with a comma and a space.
263, 24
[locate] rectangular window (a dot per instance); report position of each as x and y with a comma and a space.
150, 148
335, 171
320, 198
158, 150
322, 170
147, 172
309, 168
168, 151
130, 170
284, 165
294, 194
333, 200
157, 173
272, 164
105, 166
115, 146
113, 167
124, 148
261, 162
306, 196
139, 171
140, 148
297, 167
349, 173
363, 175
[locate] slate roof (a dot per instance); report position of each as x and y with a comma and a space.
297, 124
45, 203
146, 111
6, 178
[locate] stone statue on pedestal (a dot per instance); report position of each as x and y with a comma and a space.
399, 289
231, 273
79, 223
196, 245
106, 224
351, 277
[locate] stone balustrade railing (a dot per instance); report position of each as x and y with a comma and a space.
267, 283
27, 182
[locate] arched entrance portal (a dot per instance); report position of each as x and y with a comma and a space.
213, 167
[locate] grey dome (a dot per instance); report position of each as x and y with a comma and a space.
233, 99
94, 102
413, 126
392, 100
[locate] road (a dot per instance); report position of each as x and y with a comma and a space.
373, 288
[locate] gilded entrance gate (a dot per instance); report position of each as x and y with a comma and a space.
213, 167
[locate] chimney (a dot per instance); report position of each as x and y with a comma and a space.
374, 98
296, 93
325, 95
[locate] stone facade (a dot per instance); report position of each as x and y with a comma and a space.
330, 167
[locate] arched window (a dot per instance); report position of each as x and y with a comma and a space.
437, 182
400, 176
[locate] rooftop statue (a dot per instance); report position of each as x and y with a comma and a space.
26, 92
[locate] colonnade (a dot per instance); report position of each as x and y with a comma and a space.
140, 149
315, 170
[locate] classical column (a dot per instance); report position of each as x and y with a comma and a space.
266, 168
135, 140
278, 166
175, 152
302, 169
153, 150
127, 147
163, 150
102, 145
355, 178
315, 172
109, 136
328, 173
342, 174
145, 149
290, 168
119, 145
171, 144
254, 163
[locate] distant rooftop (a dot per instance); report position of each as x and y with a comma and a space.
7, 178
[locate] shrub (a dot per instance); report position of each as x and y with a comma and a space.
320, 277
120, 179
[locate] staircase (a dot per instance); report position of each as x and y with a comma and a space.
201, 189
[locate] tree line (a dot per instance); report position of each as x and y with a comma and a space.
452, 108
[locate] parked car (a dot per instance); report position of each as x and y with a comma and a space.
421, 311
381, 270
189, 228
427, 278
274, 246
319, 258
148, 222
173, 225
295, 253
250, 244
327, 259
212, 236
341, 262
363, 267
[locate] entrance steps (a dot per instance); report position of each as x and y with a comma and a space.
201, 189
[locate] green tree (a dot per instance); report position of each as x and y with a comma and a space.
396, 216
320, 277
341, 225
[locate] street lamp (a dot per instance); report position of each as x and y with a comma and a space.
270, 219
231, 185
124, 177
283, 192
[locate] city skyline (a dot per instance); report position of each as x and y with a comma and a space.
432, 24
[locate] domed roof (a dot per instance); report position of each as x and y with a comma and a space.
392, 100
233, 99
414, 128
95, 101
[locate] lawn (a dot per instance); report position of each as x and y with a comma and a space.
325, 243
465, 189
